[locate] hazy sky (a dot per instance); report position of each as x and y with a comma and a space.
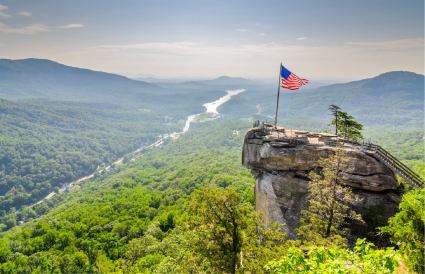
327, 39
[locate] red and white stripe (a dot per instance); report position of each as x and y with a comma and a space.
293, 82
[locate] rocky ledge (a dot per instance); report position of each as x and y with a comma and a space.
281, 159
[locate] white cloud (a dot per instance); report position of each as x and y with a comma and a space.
241, 30
262, 34
3, 11
34, 28
71, 26
24, 13
27, 30
301, 38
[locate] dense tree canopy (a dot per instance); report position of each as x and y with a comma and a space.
407, 229
46, 144
158, 214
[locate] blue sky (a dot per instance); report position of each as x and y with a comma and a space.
327, 39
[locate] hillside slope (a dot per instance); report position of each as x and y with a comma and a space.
135, 220
44, 144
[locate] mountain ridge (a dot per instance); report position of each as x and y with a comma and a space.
41, 78
39, 61
380, 79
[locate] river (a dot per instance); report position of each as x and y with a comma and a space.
211, 109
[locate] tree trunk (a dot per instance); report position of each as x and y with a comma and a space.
328, 227
235, 247
336, 123
335, 181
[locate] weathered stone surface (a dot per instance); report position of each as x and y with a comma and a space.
281, 160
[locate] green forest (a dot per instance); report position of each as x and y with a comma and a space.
45, 144
188, 207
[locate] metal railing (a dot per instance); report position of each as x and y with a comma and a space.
395, 165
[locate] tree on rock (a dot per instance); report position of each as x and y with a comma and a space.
350, 128
334, 109
345, 125
323, 221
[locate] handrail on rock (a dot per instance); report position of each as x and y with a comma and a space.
392, 163
395, 165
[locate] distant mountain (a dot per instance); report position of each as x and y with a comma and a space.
401, 82
392, 98
40, 78
31, 79
222, 82
230, 81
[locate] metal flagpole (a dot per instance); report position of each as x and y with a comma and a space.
278, 93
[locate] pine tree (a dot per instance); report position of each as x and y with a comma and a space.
328, 210
334, 109
350, 128
345, 124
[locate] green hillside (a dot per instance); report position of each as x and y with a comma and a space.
45, 144
138, 220
101, 220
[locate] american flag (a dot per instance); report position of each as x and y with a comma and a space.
289, 80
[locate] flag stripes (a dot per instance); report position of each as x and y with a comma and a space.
293, 82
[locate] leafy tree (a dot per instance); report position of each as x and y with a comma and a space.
328, 199
77, 262
362, 259
5, 251
228, 234
104, 264
407, 229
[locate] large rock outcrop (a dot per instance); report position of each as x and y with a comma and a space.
281, 159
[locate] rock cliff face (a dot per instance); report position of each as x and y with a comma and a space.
280, 160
